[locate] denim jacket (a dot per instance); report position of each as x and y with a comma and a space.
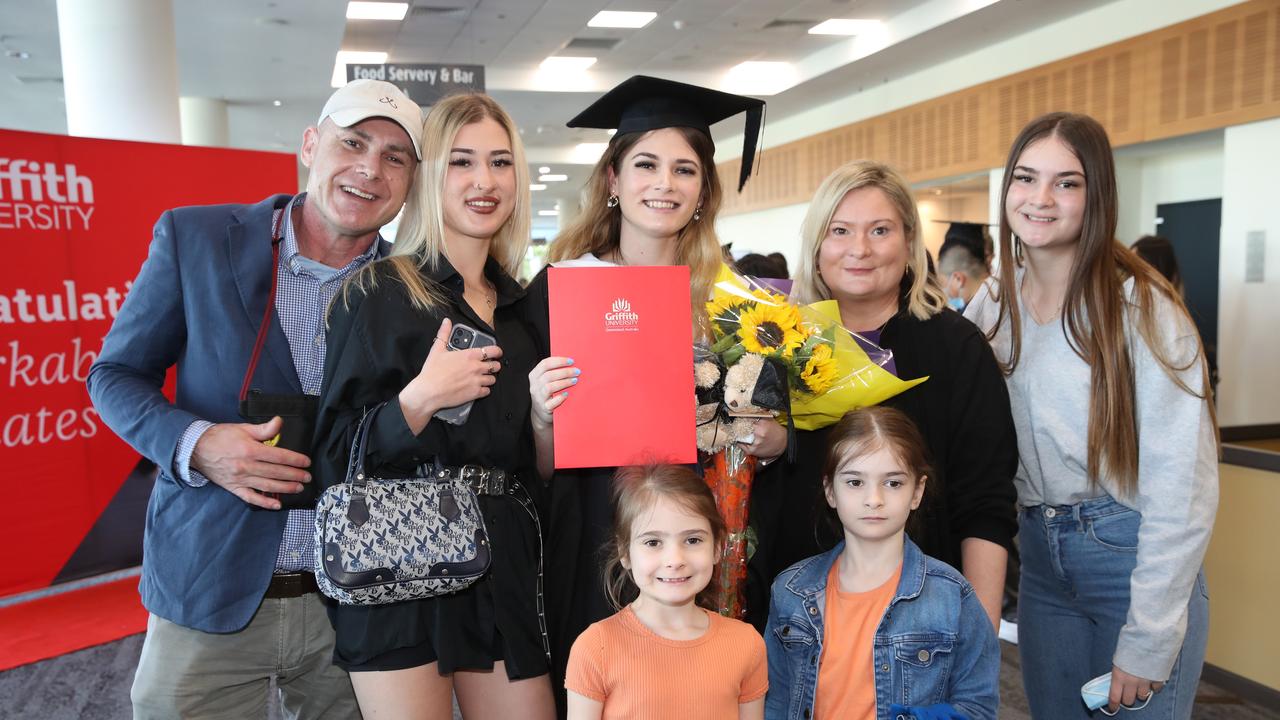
933, 645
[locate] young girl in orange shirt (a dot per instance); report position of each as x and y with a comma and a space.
662, 655
875, 628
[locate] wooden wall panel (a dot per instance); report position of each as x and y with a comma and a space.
1209, 72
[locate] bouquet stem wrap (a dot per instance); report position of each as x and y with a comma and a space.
729, 473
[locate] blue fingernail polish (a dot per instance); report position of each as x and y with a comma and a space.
564, 394
575, 381
568, 361
577, 371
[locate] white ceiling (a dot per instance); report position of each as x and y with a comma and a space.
253, 52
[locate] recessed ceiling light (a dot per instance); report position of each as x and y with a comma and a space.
621, 19
535, 187
587, 153
544, 169
760, 78
839, 26
560, 63
552, 178
376, 10
277, 103
548, 213
353, 57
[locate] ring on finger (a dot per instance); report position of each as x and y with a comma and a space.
484, 354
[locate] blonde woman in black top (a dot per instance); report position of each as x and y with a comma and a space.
459, 246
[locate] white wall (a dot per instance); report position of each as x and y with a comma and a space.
776, 230
936, 211
1167, 171
1248, 341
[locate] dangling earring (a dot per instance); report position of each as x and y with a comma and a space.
697, 213
612, 201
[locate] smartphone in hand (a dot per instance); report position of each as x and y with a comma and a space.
464, 337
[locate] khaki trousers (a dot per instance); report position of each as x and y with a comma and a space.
185, 673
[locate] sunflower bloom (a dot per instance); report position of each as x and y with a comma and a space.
767, 329
820, 371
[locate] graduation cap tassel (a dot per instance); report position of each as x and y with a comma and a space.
750, 142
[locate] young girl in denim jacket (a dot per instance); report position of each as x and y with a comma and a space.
875, 628
662, 655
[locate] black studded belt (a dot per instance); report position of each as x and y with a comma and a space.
485, 481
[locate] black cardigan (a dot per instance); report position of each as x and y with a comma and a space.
963, 413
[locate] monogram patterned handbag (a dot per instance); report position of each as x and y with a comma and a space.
383, 540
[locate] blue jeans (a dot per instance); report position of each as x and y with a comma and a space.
1072, 602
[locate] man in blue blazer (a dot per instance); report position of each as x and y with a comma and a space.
226, 573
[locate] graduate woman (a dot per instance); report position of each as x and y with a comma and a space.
652, 199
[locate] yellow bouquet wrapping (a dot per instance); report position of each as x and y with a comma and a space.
859, 381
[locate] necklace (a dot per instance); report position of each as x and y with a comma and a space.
1036, 314
488, 292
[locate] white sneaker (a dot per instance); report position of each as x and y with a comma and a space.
1008, 631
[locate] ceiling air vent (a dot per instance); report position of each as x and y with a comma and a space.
783, 24
428, 11
591, 44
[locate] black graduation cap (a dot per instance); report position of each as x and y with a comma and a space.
642, 103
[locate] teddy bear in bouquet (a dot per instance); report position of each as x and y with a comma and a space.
730, 401
715, 429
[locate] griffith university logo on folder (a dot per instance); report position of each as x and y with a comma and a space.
634, 403
620, 318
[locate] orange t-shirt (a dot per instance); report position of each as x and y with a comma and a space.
639, 674
846, 670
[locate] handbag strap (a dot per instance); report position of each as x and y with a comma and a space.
355, 466
277, 235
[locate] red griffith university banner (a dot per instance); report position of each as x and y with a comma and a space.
75, 222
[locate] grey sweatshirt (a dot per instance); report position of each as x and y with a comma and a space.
1177, 493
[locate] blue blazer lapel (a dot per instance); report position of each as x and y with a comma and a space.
249, 254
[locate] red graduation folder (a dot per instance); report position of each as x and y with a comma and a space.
630, 332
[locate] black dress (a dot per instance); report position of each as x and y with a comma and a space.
377, 344
963, 414
579, 525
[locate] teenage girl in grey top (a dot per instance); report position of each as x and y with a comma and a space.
1118, 476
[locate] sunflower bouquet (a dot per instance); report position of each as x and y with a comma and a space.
751, 319
763, 352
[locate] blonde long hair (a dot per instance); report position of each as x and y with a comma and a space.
597, 229
925, 297
420, 240
1095, 306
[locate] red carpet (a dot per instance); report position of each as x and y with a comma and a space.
59, 624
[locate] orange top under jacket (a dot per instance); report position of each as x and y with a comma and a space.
846, 672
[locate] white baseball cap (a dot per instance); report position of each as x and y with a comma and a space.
362, 99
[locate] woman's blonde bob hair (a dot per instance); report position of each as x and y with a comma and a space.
923, 294
420, 241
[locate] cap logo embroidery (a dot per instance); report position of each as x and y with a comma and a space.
389, 101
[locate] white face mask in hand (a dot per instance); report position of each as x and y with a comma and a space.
1096, 694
